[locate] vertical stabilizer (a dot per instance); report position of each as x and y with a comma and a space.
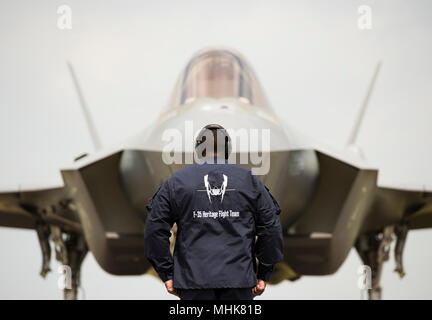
90, 124
354, 134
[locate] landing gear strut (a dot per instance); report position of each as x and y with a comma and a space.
70, 249
401, 232
374, 248
43, 233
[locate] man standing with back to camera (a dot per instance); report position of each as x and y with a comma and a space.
219, 209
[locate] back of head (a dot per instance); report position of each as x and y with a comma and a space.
213, 142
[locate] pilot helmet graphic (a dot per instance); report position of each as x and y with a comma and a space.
216, 185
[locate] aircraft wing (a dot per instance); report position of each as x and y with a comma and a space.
410, 203
22, 206
12, 214
27, 208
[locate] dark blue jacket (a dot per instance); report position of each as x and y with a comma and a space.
219, 210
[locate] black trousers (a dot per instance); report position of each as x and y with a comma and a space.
216, 294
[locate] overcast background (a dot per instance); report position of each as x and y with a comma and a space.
312, 59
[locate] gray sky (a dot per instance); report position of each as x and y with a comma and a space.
310, 56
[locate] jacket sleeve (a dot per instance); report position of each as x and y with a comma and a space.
269, 245
159, 222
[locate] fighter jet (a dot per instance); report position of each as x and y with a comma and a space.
331, 199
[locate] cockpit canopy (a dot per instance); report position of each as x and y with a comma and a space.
217, 74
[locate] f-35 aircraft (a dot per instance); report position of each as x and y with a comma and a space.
331, 199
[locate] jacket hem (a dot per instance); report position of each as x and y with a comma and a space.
216, 286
